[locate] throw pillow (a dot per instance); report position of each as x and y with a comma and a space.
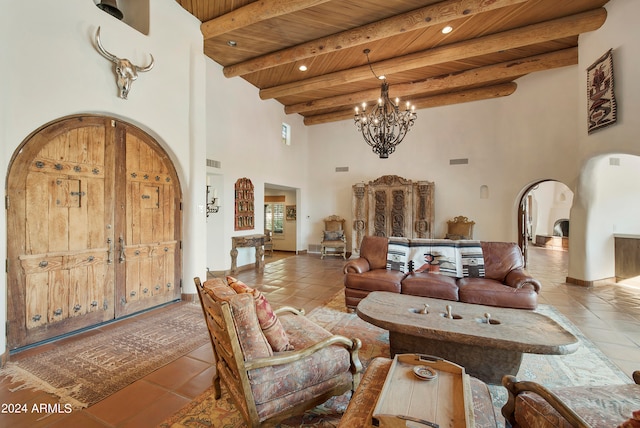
269, 322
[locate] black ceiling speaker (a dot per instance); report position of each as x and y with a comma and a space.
111, 7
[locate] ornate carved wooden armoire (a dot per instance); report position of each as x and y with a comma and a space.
392, 206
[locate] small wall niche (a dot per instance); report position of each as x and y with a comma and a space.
135, 12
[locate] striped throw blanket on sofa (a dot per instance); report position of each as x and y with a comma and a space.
458, 259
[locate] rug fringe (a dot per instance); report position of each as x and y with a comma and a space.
30, 381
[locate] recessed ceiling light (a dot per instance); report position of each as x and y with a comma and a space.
447, 29
232, 43
302, 68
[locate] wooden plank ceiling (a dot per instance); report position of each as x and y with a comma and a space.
493, 43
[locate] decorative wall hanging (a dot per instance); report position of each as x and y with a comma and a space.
126, 71
244, 204
291, 212
601, 110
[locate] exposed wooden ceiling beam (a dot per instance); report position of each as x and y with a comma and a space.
487, 92
428, 16
536, 33
252, 13
489, 73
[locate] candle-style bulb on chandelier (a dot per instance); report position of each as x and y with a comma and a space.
385, 125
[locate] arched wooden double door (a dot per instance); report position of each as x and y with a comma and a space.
93, 216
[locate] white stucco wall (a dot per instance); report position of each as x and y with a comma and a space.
51, 69
590, 245
510, 142
244, 134
551, 202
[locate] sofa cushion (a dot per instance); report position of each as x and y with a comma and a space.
500, 258
427, 284
375, 280
600, 406
374, 249
483, 291
269, 322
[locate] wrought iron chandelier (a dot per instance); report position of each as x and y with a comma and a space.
385, 126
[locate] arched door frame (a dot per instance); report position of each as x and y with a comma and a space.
29, 147
523, 237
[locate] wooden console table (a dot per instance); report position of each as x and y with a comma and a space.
256, 241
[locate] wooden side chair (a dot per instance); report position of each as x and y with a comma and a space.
268, 242
460, 228
265, 385
333, 238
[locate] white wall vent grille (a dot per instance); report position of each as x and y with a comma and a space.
213, 163
458, 161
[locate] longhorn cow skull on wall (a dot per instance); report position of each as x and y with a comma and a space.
126, 72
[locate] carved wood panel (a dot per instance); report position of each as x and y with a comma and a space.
244, 214
392, 206
93, 216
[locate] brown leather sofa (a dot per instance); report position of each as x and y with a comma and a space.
505, 283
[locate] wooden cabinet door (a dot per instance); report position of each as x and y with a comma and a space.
68, 205
391, 210
392, 206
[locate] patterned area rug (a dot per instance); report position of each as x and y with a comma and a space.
87, 371
587, 366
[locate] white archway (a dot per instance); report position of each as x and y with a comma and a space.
606, 203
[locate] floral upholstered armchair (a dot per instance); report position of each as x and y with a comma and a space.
333, 237
274, 364
530, 404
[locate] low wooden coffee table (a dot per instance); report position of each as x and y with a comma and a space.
487, 351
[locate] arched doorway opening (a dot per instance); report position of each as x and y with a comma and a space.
93, 227
543, 216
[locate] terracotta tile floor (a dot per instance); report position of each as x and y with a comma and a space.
608, 314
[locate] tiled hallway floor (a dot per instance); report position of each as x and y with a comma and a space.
608, 314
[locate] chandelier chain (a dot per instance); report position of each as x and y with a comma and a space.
366, 52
